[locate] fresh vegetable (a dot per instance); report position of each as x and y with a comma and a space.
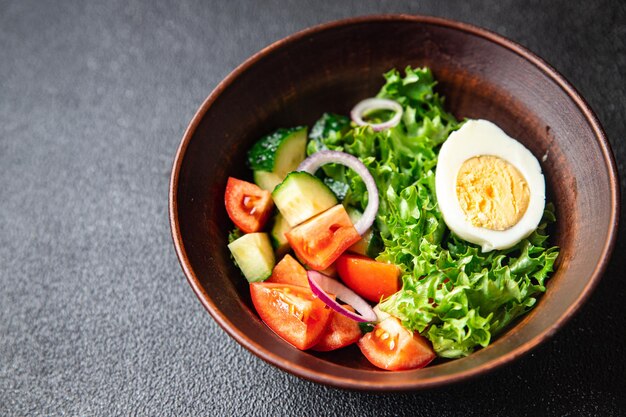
370, 244
381, 315
234, 234
277, 234
319, 241
277, 154
314, 162
266, 180
340, 331
331, 271
367, 327
289, 271
254, 255
371, 279
392, 347
452, 293
458, 296
323, 286
301, 196
371, 106
292, 312
329, 125
247, 205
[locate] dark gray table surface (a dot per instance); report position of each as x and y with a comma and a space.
96, 317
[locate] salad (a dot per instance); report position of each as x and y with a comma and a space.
398, 228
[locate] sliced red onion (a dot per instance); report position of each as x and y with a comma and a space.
321, 285
372, 104
315, 161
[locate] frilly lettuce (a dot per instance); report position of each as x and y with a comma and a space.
452, 293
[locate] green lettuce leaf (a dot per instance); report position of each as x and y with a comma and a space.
453, 293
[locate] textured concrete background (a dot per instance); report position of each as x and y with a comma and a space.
96, 317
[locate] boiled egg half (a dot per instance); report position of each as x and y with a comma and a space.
490, 188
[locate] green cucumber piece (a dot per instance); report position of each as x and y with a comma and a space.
278, 153
277, 235
254, 255
371, 243
301, 196
329, 126
266, 180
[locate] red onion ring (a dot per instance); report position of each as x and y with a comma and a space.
315, 161
321, 285
370, 104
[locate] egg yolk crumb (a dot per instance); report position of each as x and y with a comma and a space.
491, 192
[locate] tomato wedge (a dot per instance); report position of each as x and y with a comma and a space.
367, 277
340, 331
247, 205
289, 271
392, 347
292, 312
320, 240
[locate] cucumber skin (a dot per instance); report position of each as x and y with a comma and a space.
328, 125
316, 197
256, 245
371, 243
262, 155
277, 235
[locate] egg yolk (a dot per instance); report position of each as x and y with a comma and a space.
491, 192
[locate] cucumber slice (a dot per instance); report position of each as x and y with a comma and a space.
290, 152
266, 180
370, 244
254, 255
277, 235
278, 153
354, 213
301, 196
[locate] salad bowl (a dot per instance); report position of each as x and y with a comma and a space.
482, 75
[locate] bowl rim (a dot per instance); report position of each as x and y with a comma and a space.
422, 383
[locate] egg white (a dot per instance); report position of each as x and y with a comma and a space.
482, 138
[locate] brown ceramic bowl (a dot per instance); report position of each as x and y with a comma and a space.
331, 67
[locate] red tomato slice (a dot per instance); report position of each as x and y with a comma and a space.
370, 279
247, 205
392, 347
292, 312
289, 271
320, 240
340, 331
